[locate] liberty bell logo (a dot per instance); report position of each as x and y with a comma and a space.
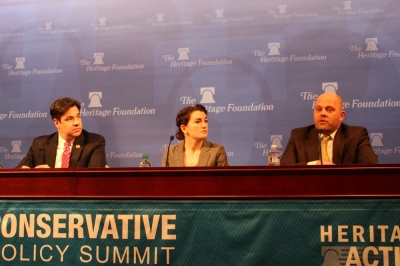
48, 25
183, 53
274, 48
207, 94
276, 140
94, 98
102, 21
330, 87
346, 5
219, 13
16, 146
282, 9
20, 63
371, 44
160, 17
376, 139
98, 59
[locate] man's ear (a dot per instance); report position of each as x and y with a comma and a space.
342, 115
56, 123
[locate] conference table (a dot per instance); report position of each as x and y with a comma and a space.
250, 215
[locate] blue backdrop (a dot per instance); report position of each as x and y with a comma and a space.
257, 66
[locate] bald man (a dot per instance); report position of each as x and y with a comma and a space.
345, 145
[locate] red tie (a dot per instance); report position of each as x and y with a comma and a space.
66, 155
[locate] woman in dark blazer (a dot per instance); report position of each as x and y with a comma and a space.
194, 149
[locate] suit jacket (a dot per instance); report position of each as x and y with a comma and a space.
351, 145
211, 154
88, 151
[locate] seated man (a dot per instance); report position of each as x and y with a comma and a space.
340, 143
71, 146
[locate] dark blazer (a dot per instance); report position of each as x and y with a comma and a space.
351, 145
88, 151
211, 155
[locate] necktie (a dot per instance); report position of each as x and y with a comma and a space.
324, 149
66, 155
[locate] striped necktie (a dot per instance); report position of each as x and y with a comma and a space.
66, 155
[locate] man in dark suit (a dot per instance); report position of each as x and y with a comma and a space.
345, 144
71, 146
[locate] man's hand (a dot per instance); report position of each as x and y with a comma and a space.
325, 163
42, 166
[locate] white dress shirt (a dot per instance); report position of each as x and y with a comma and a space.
60, 150
329, 147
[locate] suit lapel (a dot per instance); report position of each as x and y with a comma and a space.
51, 151
178, 156
338, 145
77, 149
204, 154
312, 145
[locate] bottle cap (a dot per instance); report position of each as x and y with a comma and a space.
145, 156
273, 146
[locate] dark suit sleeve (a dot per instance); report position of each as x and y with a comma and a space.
290, 156
35, 155
98, 154
28, 159
365, 154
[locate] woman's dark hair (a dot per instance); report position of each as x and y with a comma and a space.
60, 106
183, 118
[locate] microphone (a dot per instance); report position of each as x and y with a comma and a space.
320, 146
1, 165
28, 156
171, 138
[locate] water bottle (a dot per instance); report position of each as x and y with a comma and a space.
145, 161
274, 156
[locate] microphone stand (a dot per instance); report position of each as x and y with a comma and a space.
320, 146
171, 138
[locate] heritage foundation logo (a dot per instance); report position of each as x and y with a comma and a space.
281, 12
48, 28
275, 140
274, 55
378, 147
208, 100
347, 9
372, 51
332, 87
160, 20
99, 64
15, 151
94, 109
20, 69
219, 16
102, 25
184, 61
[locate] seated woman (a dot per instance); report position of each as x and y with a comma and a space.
195, 149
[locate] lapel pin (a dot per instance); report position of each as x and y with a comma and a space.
77, 146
